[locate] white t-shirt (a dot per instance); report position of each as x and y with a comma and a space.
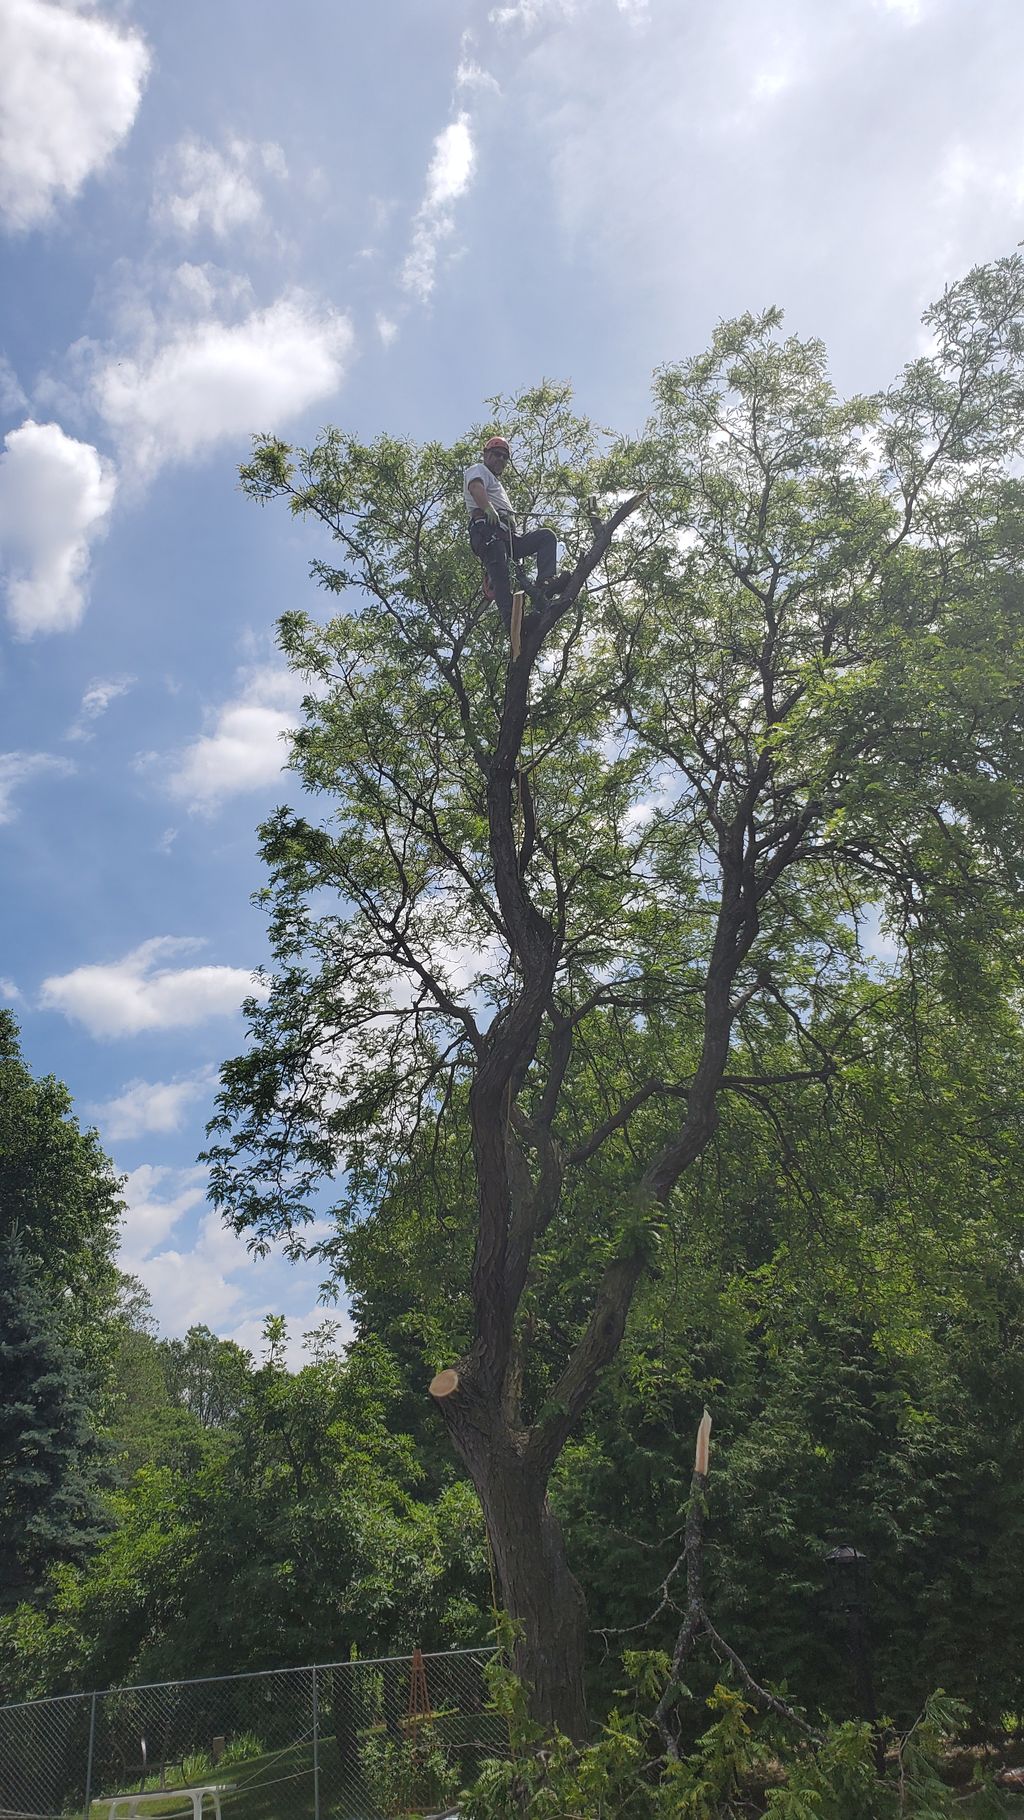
496, 493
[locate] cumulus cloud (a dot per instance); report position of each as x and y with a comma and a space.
246, 746
55, 499
448, 177
156, 1198
145, 1107
10, 992
120, 998
208, 1274
201, 1282
201, 187
18, 768
96, 700
851, 224
207, 380
70, 85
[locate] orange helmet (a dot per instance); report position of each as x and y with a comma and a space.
497, 442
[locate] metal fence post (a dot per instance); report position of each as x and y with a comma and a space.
88, 1760
316, 1750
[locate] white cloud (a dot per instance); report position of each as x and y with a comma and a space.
18, 768
877, 937
910, 11
195, 293
853, 230
151, 1106
975, 183
188, 1286
70, 85
150, 1215
55, 499
448, 177
246, 747
12, 398
470, 75
210, 379
201, 187
10, 992
120, 998
772, 78
96, 700
209, 1275
249, 1333
451, 166
529, 13
386, 329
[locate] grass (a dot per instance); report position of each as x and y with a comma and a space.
255, 1788
277, 1785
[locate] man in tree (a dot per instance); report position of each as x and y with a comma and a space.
492, 530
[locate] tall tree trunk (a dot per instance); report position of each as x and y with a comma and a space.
541, 1593
535, 1585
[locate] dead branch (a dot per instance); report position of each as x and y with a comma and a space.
697, 1624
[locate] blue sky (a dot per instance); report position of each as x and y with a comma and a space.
220, 219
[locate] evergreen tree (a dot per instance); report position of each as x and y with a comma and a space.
59, 1193
51, 1458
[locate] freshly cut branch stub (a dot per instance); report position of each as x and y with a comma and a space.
700, 1463
445, 1384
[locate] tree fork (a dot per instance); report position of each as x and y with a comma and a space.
536, 1585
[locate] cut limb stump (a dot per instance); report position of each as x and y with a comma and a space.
445, 1384
700, 1462
516, 630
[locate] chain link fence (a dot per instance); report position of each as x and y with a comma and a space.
338, 1741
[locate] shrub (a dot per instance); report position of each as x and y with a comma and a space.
740, 1765
240, 1748
405, 1775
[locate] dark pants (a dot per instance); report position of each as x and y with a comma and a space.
490, 543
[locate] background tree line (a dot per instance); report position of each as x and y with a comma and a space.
205, 1513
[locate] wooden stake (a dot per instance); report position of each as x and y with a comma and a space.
445, 1384
518, 602
419, 1697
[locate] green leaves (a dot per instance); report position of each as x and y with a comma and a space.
299, 1516
51, 1455
692, 905
60, 1196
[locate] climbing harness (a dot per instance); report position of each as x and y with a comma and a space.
504, 532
